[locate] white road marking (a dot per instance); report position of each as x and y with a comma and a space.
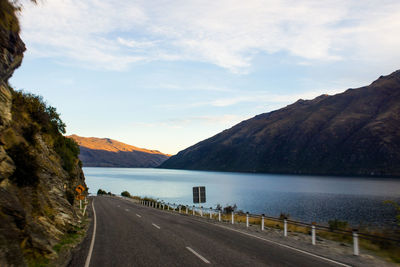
156, 226
118, 206
138, 215
89, 256
126, 209
285, 246
198, 255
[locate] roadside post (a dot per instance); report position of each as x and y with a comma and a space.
285, 227
168, 206
193, 210
313, 235
179, 208
219, 215
356, 250
247, 219
233, 218
262, 222
187, 209
201, 211
210, 212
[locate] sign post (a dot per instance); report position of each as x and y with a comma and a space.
199, 194
80, 189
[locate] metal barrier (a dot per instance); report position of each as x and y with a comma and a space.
217, 215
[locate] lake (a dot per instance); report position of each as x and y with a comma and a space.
306, 198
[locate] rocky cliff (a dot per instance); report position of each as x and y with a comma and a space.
39, 167
105, 152
353, 133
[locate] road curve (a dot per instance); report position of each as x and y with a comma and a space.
129, 234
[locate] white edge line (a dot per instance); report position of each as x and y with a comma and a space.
138, 215
156, 226
198, 255
286, 246
89, 256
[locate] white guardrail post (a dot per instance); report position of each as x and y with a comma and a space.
233, 218
247, 219
193, 211
201, 211
313, 235
219, 215
262, 222
356, 250
210, 212
284, 227
187, 209
180, 208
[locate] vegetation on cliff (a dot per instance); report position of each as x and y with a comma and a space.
32, 116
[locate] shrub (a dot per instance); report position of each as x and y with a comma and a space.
230, 208
70, 196
68, 150
44, 115
45, 119
337, 225
25, 173
125, 194
101, 192
283, 216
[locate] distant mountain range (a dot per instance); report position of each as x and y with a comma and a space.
105, 152
356, 132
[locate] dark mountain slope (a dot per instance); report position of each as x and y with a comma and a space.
353, 133
105, 152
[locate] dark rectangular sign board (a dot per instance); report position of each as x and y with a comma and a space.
199, 194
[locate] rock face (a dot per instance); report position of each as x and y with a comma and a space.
105, 152
37, 177
353, 133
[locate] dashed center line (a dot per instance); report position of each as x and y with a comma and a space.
198, 255
138, 215
156, 226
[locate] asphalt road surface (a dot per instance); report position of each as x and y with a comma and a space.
128, 234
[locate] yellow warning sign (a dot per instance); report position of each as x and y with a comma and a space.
80, 188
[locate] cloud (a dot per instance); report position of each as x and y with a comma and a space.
225, 120
226, 33
255, 97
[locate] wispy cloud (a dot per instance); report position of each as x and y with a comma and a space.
227, 33
255, 97
225, 120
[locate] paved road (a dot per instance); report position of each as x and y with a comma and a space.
129, 234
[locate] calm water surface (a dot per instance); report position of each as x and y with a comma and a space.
306, 198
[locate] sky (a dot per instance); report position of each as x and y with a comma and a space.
167, 74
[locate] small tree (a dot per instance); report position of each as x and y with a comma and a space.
125, 194
230, 208
101, 192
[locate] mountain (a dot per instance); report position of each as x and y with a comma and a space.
39, 167
105, 152
356, 132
